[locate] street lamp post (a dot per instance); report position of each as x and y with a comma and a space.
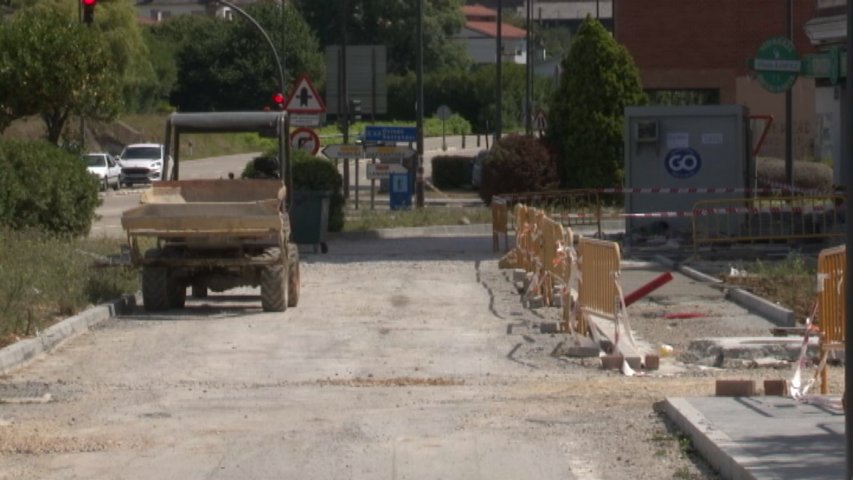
266, 37
419, 179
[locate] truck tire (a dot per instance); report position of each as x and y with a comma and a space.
274, 284
293, 285
155, 289
177, 294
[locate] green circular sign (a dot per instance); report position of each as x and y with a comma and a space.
776, 64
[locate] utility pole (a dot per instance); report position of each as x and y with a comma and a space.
419, 179
528, 83
498, 82
846, 150
789, 140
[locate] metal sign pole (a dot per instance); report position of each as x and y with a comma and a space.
847, 149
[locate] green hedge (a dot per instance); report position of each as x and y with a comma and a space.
44, 187
451, 171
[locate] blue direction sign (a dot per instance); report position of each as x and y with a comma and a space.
380, 133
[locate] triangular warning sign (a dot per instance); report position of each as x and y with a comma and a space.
304, 98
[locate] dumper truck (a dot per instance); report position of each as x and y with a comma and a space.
217, 234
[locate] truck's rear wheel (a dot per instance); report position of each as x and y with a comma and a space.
293, 285
177, 294
274, 284
155, 289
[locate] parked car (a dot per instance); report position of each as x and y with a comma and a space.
105, 167
142, 163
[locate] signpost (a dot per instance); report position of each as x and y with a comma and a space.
305, 139
381, 133
382, 171
388, 152
443, 114
343, 151
776, 64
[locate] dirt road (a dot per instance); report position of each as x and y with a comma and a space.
406, 358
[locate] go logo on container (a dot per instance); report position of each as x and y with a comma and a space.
683, 162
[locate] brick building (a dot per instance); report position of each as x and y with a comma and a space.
700, 49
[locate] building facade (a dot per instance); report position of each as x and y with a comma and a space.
701, 50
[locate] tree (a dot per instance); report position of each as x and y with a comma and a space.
599, 79
228, 65
54, 66
393, 23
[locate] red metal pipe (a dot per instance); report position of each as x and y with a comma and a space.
648, 288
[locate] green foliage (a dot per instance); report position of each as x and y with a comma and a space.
470, 94
807, 175
45, 277
44, 187
392, 23
315, 173
368, 220
451, 171
599, 80
517, 163
53, 66
228, 65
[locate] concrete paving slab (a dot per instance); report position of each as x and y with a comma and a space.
764, 438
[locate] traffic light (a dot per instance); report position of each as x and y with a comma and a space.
355, 109
88, 10
278, 100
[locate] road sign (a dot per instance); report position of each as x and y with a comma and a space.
304, 98
305, 139
380, 133
443, 112
388, 152
381, 171
306, 119
776, 64
341, 151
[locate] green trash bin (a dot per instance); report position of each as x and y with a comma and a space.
309, 218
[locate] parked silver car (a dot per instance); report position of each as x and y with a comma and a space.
105, 167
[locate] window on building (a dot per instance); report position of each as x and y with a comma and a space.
699, 96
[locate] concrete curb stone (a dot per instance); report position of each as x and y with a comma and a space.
774, 313
19, 353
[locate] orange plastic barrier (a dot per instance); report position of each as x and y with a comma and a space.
599, 263
500, 223
831, 305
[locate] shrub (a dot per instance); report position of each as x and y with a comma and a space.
518, 164
807, 175
309, 173
44, 187
45, 277
451, 171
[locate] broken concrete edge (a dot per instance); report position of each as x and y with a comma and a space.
19, 353
716, 447
776, 314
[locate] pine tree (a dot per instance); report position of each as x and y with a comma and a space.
599, 79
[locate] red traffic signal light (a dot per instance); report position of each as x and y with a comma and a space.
278, 99
88, 10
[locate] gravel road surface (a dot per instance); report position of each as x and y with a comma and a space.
409, 356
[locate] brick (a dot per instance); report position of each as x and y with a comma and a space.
735, 388
652, 361
611, 362
776, 387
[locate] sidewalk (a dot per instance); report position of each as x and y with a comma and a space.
764, 438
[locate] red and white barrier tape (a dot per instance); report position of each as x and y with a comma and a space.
783, 189
703, 212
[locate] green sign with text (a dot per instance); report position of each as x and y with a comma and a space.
776, 64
